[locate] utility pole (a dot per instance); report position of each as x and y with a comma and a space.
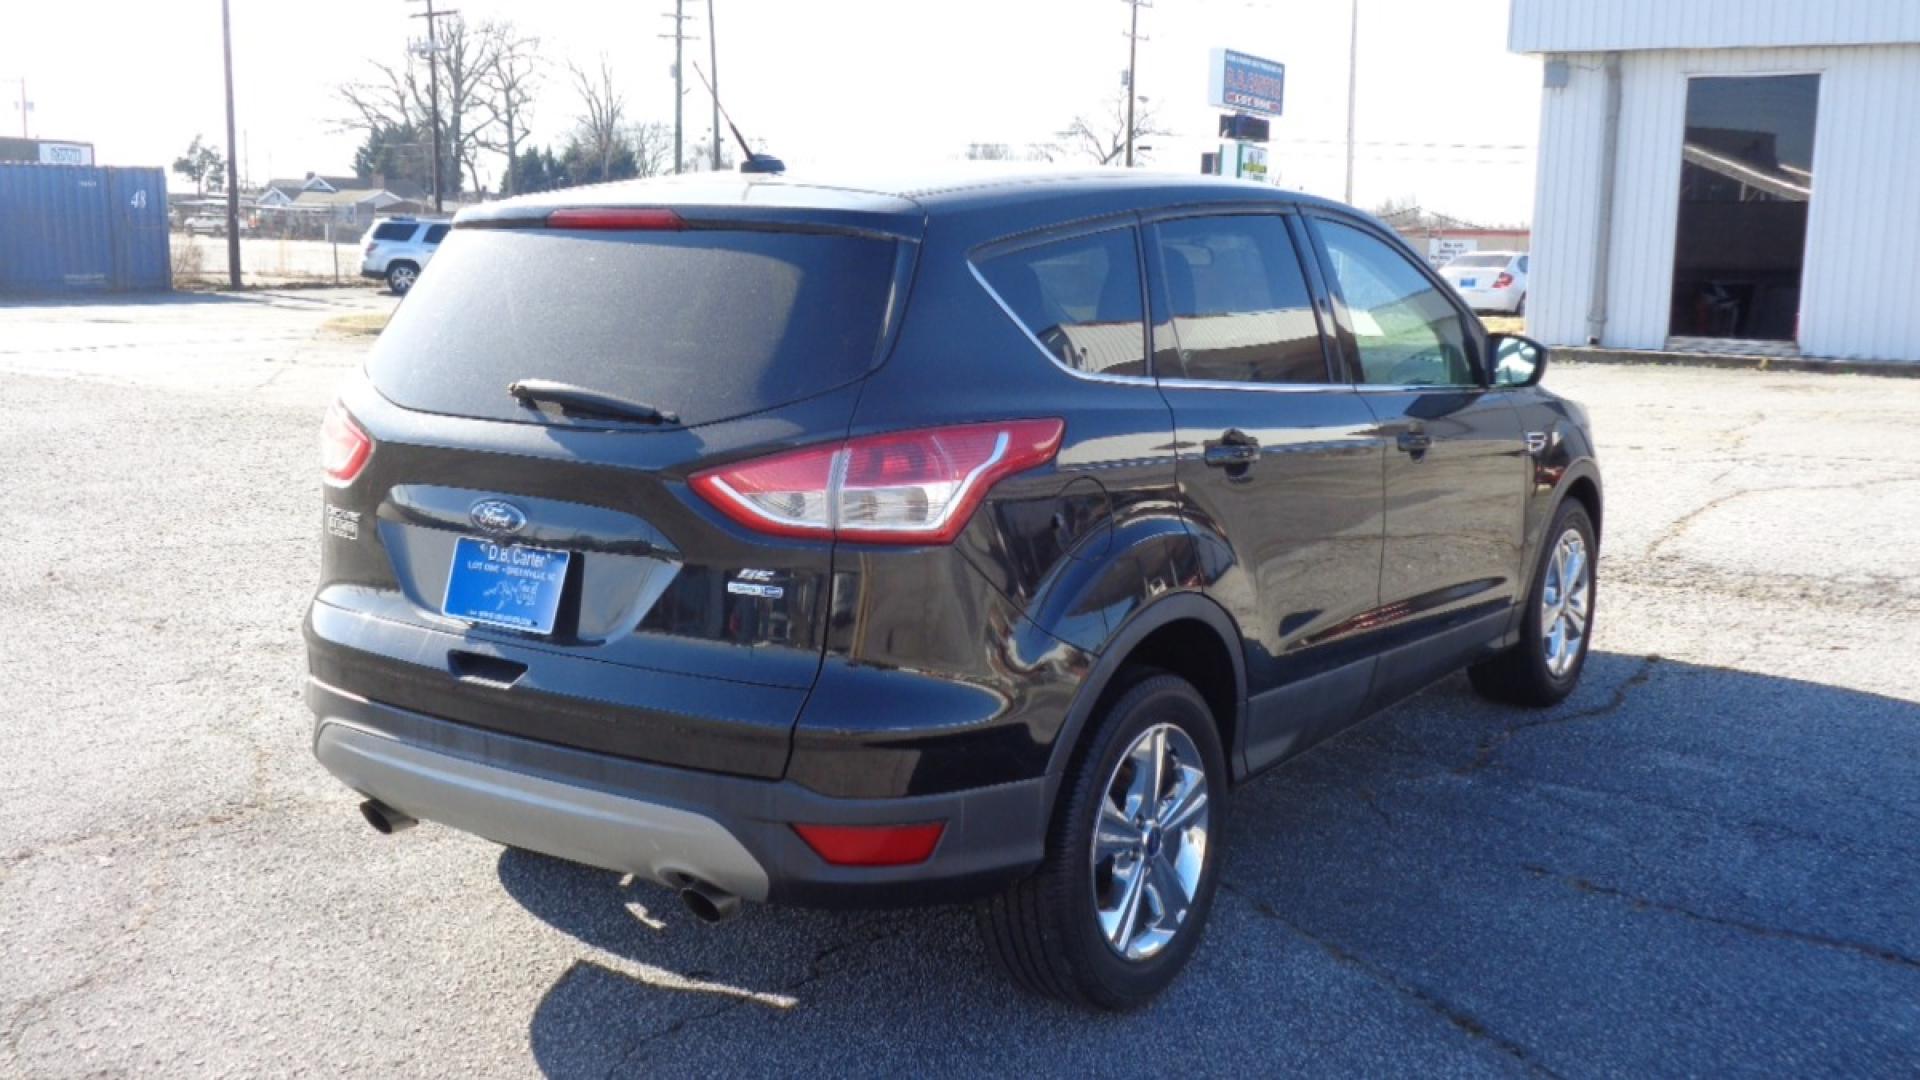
233, 167
1133, 56
27, 106
713, 70
679, 36
432, 50
1353, 83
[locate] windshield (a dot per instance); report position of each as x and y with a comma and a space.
705, 324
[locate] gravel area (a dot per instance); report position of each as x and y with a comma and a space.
1706, 862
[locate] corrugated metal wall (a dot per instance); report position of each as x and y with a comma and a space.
1555, 26
1863, 236
81, 228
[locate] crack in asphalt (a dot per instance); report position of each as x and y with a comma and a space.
1459, 1018
1643, 903
887, 929
1490, 745
1683, 522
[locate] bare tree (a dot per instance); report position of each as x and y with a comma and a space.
511, 76
1104, 139
398, 98
600, 125
652, 145
1008, 152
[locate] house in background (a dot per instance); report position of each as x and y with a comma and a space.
1727, 175
307, 207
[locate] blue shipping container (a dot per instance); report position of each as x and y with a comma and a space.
82, 228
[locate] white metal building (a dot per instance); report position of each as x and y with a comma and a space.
1734, 175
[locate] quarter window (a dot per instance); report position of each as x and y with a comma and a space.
1239, 301
394, 230
1408, 333
1080, 297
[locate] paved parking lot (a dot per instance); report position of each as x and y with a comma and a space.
1706, 862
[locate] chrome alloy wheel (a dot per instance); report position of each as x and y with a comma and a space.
1566, 603
402, 278
1150, 843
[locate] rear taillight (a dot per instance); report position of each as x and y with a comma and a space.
344, 448
872, 845
1503, 281
906, 487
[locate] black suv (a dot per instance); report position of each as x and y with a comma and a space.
844, 545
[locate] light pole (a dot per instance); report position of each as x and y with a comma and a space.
1353, 82
233, 164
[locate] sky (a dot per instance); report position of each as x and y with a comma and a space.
1446, 116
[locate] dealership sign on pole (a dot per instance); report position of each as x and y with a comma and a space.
1245, 83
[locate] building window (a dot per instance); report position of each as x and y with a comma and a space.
1746, 178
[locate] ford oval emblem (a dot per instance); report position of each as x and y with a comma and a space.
497, 516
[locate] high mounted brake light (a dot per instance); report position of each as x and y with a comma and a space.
903, 487
655, 219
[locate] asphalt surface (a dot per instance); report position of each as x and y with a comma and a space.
1706, 862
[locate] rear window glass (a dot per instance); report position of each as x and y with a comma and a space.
394, 230
1080, 297
1480, 262
706, 324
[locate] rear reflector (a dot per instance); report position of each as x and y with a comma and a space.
344, 448
655, 218
904, 487
872, 845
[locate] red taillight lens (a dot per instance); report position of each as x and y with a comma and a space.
655, 219
872, 845
907, 487
344, 448
1503, 281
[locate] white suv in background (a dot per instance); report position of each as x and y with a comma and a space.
1490, 281
397, 249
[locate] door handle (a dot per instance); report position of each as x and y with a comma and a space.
1235, 449
1416, 443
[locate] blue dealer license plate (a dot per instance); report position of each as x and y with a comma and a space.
1468, 283
505, 585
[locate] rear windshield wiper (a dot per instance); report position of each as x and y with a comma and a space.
573, 399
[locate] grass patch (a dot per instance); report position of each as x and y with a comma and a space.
364, 325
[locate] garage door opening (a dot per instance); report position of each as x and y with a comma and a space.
1746, 180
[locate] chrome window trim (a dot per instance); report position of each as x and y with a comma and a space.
1258, 388
1090, 376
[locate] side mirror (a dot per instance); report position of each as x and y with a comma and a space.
1517, 360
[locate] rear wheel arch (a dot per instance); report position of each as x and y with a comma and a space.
1185, 634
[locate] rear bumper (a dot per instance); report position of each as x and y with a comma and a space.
663, 823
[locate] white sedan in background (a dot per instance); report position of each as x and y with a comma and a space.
1491, 281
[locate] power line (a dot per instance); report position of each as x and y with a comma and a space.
1133, 56
432, 49
680, 37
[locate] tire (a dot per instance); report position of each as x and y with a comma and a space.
401, 276
1520, 309
1046, 930
1530, 673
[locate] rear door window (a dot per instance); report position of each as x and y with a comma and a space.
437, 233
1080, 298
709, 324
1239, 301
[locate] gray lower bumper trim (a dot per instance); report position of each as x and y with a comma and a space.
662, 843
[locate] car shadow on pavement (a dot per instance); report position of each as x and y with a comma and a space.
1678, 869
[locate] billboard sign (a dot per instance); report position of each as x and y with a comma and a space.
1245, 83
57, 153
